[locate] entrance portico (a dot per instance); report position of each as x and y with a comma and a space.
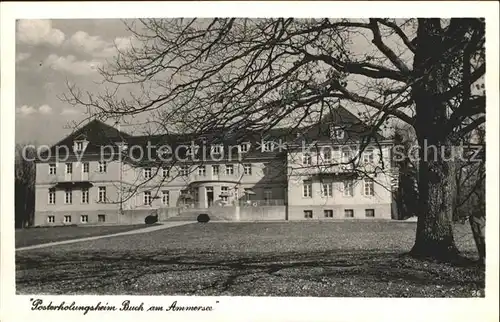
210, 192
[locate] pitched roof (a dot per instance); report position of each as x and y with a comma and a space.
96, 132
354, 129
99, 134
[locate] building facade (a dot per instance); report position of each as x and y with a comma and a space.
99, 175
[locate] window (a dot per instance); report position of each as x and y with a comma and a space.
307, 189
369, 212
202, 170
266, 169
348, 188
165, 172
165, 197
52, 168
67, 219
147, 197
248, 192
184, 170
229, 169
84, 218
247, 168
215, 170
307, 159
78, 146
85, 195
102, 194
369, 188
268, 146
101, 218
191, 150
147, 173
68, 196
327, 189
164, 153
51, 219
244, 147
69, 168
308, 213
346, 155
328, 213
368, 156
103, 166
86, 167
224, 193
122, 146
327, 156
216, 149
268, 194
348, 213
336, 132
52, 196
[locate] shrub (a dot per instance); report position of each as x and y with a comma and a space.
204, 218
151, 219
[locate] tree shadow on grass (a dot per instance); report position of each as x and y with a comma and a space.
161, 272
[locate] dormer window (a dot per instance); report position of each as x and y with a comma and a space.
216, 149
336, 133
122, 146
79, 145
191, 150
268, 146
244, 147
164, 153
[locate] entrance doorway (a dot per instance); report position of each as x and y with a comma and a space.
210, 195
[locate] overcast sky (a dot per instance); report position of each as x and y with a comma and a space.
50, 53
47, 54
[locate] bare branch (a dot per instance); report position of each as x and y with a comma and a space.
377, 41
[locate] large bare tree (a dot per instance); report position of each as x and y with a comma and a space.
254, 74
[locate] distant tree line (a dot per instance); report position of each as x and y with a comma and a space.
470, 177
24, 186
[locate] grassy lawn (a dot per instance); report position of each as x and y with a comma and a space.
35, 236
251, 259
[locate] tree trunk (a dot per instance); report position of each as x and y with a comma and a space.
434, 237
436, 184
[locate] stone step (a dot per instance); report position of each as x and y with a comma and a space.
192, 216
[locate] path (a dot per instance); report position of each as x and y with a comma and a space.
137, 231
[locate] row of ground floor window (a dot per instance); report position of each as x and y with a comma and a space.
348, 213
308, 214
68, 219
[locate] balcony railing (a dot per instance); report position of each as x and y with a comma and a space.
193, 205
70, 177
261, 203
321, 168
216, 177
